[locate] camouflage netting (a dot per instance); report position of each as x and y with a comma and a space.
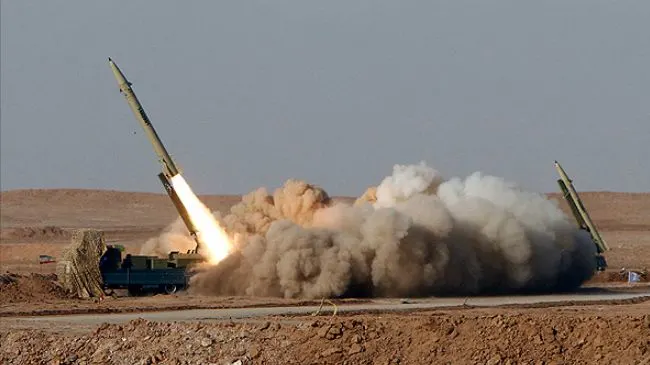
78, 269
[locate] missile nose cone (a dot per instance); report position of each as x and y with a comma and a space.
119, 76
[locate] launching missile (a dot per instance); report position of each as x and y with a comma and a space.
169, 167
580, 213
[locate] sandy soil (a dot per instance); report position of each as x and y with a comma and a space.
35, 222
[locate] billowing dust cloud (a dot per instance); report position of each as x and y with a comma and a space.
415, 234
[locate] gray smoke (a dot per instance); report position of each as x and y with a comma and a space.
416, 234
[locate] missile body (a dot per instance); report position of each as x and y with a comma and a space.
579, 211
169, 167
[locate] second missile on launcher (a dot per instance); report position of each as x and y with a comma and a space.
580, 213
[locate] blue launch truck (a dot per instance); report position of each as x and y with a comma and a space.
140, 274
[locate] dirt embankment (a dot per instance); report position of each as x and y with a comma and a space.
480, 336
31, 288
619, 276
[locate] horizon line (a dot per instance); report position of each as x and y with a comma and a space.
241, 194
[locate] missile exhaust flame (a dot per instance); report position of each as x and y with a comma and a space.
212, 237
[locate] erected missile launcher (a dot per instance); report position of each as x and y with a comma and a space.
141, 273
169, 168
581, 216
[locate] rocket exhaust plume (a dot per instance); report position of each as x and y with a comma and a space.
214, 245
212, 237
415, 234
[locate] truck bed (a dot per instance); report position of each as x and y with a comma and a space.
121, 278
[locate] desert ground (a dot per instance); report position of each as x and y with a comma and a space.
612, 327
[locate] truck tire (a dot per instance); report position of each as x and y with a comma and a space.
110, 293
135, 290
169, 288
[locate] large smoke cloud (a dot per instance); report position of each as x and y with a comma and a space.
415, 234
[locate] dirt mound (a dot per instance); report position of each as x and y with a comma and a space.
419, 338
16, 288
618, 276
34, 233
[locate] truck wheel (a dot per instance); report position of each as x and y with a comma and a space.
110, 293
135, 290
170, 288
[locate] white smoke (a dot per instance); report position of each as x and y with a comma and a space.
406, 181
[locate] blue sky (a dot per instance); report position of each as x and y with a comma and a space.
249, 94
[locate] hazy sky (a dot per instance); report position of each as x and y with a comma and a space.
249, 93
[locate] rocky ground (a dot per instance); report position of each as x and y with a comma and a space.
562, 335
